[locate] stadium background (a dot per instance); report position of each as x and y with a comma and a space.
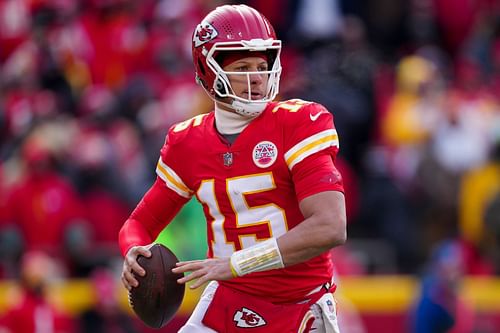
89, 88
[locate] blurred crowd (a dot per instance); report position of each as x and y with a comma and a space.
88, 90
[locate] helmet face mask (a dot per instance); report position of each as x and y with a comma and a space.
235, 28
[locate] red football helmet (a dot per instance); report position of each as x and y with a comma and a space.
235, 28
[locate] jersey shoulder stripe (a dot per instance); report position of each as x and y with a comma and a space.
311, 145
172, 180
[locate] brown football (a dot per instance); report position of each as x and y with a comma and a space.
158, 296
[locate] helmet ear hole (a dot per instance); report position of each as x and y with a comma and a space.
219, 86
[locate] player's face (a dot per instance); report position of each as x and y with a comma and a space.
258, 80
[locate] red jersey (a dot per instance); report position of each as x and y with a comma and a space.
250, 190
43, 206
34, 314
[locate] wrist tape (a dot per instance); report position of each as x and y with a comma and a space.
260, 257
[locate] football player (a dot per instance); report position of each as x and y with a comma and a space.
264, 172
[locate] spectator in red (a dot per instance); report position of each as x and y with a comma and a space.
105, 208
118, 39
43, 204
33, 313
14, 25
457, 20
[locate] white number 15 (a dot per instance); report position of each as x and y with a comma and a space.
250, 224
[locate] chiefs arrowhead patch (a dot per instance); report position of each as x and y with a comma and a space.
247, 318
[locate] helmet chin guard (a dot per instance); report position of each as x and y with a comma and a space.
235, 28
249, 110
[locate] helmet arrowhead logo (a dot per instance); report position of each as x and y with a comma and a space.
204, 33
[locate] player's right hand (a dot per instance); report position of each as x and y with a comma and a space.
203, 271
131, 265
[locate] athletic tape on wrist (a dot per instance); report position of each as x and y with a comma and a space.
233, 271
260, 257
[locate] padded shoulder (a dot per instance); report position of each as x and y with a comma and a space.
188, 128
308, 129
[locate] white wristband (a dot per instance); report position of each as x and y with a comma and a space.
260, 257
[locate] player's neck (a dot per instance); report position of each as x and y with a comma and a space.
228, 122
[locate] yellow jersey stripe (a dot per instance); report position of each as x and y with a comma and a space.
323, 143
308, 140
172, 180
310, 146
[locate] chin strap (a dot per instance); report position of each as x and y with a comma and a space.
252, 109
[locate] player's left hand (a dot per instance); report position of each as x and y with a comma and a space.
203, 271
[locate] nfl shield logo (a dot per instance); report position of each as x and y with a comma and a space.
228, 159
330, 305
